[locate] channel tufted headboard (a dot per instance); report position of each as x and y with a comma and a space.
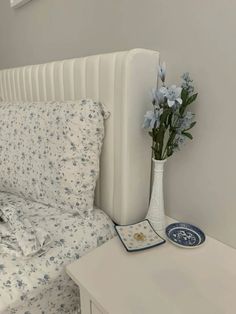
122, 81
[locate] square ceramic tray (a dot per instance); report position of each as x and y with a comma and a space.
139, 236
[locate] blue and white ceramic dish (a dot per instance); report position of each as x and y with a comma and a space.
185, 235
139, 236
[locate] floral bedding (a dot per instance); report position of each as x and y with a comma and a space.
18, 236
49, 151
39, 284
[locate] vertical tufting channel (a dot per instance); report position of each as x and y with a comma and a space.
121, 81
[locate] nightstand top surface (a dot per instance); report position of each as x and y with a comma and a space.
165, 279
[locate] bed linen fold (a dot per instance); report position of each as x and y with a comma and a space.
18, 236
40, 284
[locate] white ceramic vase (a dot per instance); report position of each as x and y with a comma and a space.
156, 212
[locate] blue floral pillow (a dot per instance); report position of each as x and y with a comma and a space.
49, 152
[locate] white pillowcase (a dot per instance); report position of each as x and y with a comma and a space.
49, 152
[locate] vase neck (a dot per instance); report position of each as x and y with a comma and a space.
158, 165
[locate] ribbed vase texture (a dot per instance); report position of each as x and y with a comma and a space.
156, 211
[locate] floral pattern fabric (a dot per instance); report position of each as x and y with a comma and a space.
40, 285
18, 236
49, 152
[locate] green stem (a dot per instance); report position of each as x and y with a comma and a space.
159, 141
168, 144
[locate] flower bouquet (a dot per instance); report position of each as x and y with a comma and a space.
169, 124
170, 120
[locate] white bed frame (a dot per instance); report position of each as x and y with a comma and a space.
122, 81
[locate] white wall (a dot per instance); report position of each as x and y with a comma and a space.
198, 36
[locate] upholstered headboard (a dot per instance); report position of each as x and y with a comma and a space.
122, 81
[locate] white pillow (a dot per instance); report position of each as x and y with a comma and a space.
49, 152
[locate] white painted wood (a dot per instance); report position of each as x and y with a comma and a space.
18, 3
162, 280
95, 309
85, 301
88, 305
122, 81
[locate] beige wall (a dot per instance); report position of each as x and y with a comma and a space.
46, 30
197, 36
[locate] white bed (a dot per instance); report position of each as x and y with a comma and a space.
122, 81
39, 284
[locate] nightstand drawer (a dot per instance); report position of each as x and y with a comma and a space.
89, 304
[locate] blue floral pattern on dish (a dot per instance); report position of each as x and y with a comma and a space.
185, 235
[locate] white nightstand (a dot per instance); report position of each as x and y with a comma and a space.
162, 280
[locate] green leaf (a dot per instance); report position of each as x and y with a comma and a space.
182, 108
184, 95
170, 119
191, 99
192, 124
188, 135
165, 115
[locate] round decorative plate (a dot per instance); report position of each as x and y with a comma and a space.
185, 235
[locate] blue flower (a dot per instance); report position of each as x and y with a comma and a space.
187, 87
187, 82
162, 72
172, 94
186, 77
151, 119
185, 122
179, 140
158, 96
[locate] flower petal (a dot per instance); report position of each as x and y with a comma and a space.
179, 100
162, 72
170, 103
178, 91
163, 90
